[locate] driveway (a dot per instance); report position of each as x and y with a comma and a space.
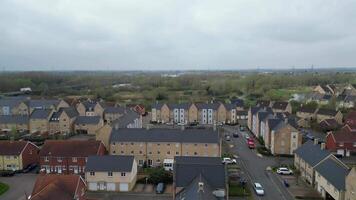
20, 186
254, 167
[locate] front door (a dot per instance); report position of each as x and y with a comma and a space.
149, 162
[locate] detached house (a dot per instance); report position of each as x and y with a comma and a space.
54, 186
323, 114
17, 155
68, 157
62, 121
199, 178
88, 124
111, 173
91, 108
39, 120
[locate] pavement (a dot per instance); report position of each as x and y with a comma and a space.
254, 168
20, 186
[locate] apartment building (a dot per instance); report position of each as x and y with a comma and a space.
17, 155
208, 113
68, 157
351, 185
179, 113
111, 173
152, 146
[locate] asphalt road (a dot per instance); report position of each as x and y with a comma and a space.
20, 186
254, 168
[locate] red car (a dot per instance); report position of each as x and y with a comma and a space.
251, 143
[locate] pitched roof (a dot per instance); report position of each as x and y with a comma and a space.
241, 112
329, 112
110, 163
264, 103
40, 113
307, 110
164, 135
194, 192
312, 153
328, 124
14, 119
273, 123
70, 111
54, 186
280, 105
70, 148
351, 115
114, 109
126, 119
87, 120
157, 105
230, 106
334, 172
12, 147
186, 168
213, 106
89, 105
237, 102
11, 102
43, 103
180, 106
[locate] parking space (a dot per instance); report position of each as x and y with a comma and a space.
20, 186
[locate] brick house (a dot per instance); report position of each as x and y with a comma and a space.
17, 155
139, 108
351, 118
55, 186
68, 157
323, 114
343, 141
17, 122
39, 120
88, 124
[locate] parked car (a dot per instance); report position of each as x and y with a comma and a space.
180, 124
310, 136
236, 135
160, 188
242, 128
7, 173
29, 168
258, 189
228, 138
229, 161
247, 136
284, 171
251, 143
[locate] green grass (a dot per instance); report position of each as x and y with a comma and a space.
3, 188
238, 190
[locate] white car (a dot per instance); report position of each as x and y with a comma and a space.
229, 161
258, 189
284, 171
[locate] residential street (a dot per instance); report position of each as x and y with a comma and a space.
254, 168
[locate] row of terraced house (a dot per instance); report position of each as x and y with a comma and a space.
57, 116
202, 113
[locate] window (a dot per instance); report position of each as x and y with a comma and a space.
158, 152
46, 159
74, 159
177, 153
206, 145
122, 152
140, 152
150, 152
113, 152
195, 153
158, 144
109, 173
168, 144
177, 144
92, 173
132, 143
113, 143
132, 152
123, 174
168, 152
195, 144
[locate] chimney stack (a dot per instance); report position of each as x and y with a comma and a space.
200, 187
322, 146
316, 141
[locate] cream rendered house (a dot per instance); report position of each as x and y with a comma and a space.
111, 173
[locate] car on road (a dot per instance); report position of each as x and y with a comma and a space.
5, 173
242, 128
251, 143
284, 171
235, 134
29, 168
229, 161
258, 189
310, 136
247, 136
160, 188
228, 138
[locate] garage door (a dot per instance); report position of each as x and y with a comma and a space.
93, 186
124, 187
110, 186
340, 152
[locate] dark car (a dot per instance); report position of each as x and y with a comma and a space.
7, 173
160, 188
29, 168
242, 128
236, 135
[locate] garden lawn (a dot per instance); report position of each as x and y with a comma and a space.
3, 188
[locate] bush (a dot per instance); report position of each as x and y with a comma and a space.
261, 141
157, 175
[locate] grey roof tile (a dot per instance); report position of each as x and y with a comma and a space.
40, 113
14, 119
87, 120
334, 172
110, 163
311, 153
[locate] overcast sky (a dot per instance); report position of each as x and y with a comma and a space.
170, 35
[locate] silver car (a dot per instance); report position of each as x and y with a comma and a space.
258, 189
